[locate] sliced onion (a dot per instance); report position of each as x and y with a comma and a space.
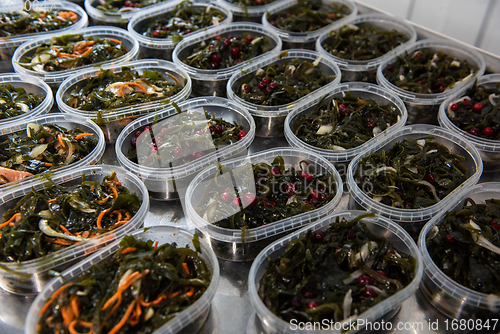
376, 130
38, 150
316, 62
149, 313
377, 290
346, 305
385, 168
32, 128
482, 241
365, 251
43, 225
71, 150
123, 279
492, 99
255, 41
421, 143
324, 129
431, 187
23, 106
354, 275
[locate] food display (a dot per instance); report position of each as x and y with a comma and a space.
15, 101
250, 3
121, 6
35, 21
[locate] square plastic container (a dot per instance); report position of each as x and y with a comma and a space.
446, 295
295, 40
488, 148
118, 19
68, 122
31, 85
269, 120
9, 44
170, 183
386, 309
366, 70
209, 82
423, 108
114, 120
54, 79
29, 277
248, 13
236, 245
341, 159
162, 48
412, 220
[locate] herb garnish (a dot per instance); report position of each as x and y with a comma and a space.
15, 101
35, 21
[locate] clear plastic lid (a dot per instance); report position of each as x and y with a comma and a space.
145, 16
15, 41
455, 143
327, 66
30, 274
379, 21
249, 12
450, 48
67, 121
187, 46
78, 80
31, 85
56, 77
364, 90
292, 158
379, 226
311, 36
456, 298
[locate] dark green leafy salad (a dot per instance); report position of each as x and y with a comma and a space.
283, 83
15, 101
428, 72
413, 174
465, 245
220, 52
362, 42
138, 289
477, 112
184, 19
308, 15
256, 195
73, 51
41, 148
109, 90
334, 274
251, 3
182, 138
35, 21
51, 219
345, 122
122, 6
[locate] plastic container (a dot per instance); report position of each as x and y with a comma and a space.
190, 320
413, 219
54, 79
209, 82
270, 120
68, 122
341, 159
162, 48
386, 309
446, 295
423, 108
31, 85
295, 40
29, 277
9, 45
114, 120
249, 13
235, 245
117, 19
366, 70
488, 148
167, 183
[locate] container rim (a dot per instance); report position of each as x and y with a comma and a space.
249, 11
112, 17
266, 231
371, 314
355, 87
413, 215
224, 74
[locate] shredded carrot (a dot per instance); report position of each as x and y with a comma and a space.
92, 188
100, 217
72, 325
128, 250
52, 200
90, 42
97, 73
102, 201
74, 306
190, 292
114, 191
65, 229
67, 315
186, 269
72, 16
12, 219
85, 234
63, 15
156, 244
177, 80
86, 52
157, 300
115, 40
123, 321
61, 242
81, 135
48, 164
59, 138
54, 295
128, 282
136, 315
131, 84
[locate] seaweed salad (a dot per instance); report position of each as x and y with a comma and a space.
35, 21
122, 6
15, 101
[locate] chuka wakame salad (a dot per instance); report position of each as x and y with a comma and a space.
15, 101
35, 21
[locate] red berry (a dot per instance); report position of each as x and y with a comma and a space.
218, 129
418, 55
246, 88
371, 124
477, 107
261, 86
235, 51
314, 194
177, 151
217, 37
225, 197
164, 28
216, 57
430, 177
241, 134
133, 142
466, 103
154, 149
488, 131
236, 202
474, 131
306, 176
275, 171
227, 42
197, 155
238, 60
188, 31
249, 38
442, 88
365, 280
291, 169
290, 189
147, 128
370, 293
349, 234
128, 3
381, 272
273, 85
454, 107
138, 133
249, 199
265, 80
341, 106
135, 5
495, 225
450, 239
322, 196
268, 90
312, 305
318, 236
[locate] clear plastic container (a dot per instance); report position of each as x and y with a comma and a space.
248, 13
117, 19
209, 82
31, 85
54, 79
170, 180
114, 120
29, 277
386, 309
236, 245
68, 122
162, 48
413, 219
295, 40
341, 159
423, 108
488, 148
366, 70
448, 296
9, 45
270, 120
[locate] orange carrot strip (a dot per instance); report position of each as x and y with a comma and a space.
67, 315
99, 218
156, 244
123, 321
61, 242
86, 52
190, 292
52, 200
48, 164
115, 40
177, 80
186, 268
74, 306
72, 325
54, 295
102, 201
59, 138
65, 229
131, 84
12, 219
81, 135
128, 250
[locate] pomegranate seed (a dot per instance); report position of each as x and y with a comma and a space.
157, 34
177, 151
440, 79
217, 37
211, 128
241, 134
454, 107
238, 60
276, 171
381, 272
488, 131
268, 90
319, 236
138, 133
188, 143
164, 28
147, 128
249, 199
474, 131
261, 86
246, 88
370, 293
236, 202
450, 239
313, 201
216, 57
265, 80
495, 225
371, 124
227, 42
466, 103
342, 106
349, 234
391, 251
312, 305
197, 155
227, 190
418, 55
135, 5
477, 107
133, 142
306, 176
345, 112
235, 51
218, 129
187, 32
365, 280
128, 3
273, 85
154, 149
308, 294
225, 197
158, 140
249, 38
291, 169
322, 196
314, 194
442, 88
290, 189
214, 65
430, 177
